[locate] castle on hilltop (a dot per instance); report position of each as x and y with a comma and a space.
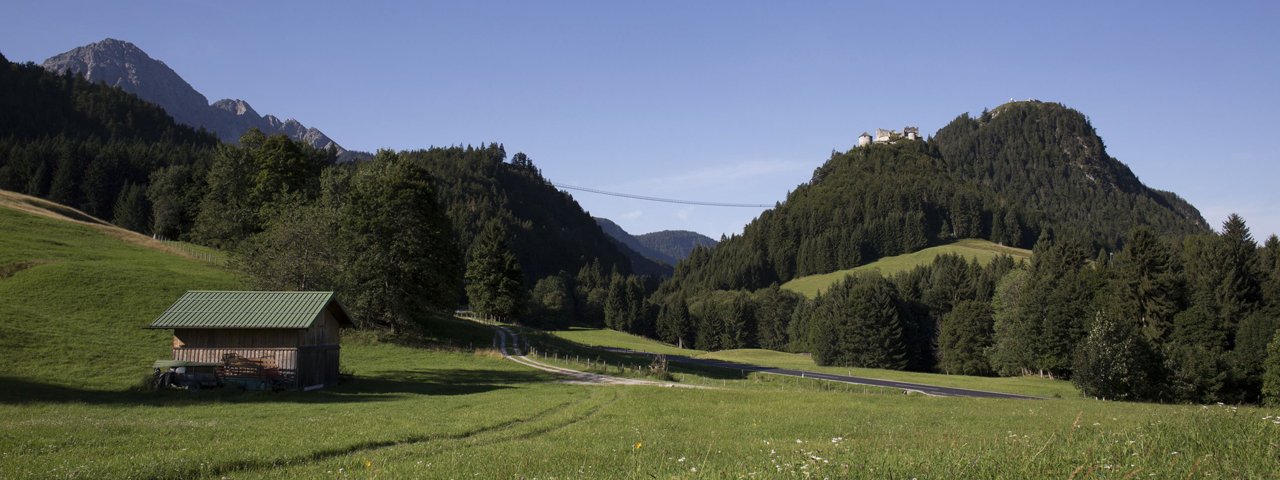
889, 136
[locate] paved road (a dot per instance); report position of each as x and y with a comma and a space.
931, 390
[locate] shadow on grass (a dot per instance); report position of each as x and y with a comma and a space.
382, 387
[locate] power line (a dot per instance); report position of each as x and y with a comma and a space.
658, 199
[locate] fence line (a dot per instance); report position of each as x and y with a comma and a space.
193, 252
480, 317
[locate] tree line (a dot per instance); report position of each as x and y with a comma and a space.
1162, 318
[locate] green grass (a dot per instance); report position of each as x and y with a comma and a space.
75, 314
982, 250
1030, 385
601, 337
72, 348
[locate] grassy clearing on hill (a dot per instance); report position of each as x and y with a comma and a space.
72, 348
982, 250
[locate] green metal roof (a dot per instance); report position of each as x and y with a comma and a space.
240, 309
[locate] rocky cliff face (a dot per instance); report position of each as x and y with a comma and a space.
123, 64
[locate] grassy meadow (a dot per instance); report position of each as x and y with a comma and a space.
73, 300
982, 250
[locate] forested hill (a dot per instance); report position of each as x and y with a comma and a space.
676, 244
551, 233
1004, 176
641, 256
86, 145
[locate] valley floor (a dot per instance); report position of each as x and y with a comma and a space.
74, 300
452, 414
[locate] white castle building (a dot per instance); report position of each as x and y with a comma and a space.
888, 136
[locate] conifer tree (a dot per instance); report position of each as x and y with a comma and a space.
1148, 285
131, 210
964, 338
859, 324
494, 281
1058, 299
673, 324
1239, 291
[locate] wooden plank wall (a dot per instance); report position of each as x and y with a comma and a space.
323, 331
318, 366
285, 358
236, 338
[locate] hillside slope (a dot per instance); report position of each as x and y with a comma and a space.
1004, 176
75, 294
981, 250
552, 233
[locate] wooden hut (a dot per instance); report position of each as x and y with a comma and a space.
289, 339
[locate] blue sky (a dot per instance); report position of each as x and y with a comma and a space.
722, 101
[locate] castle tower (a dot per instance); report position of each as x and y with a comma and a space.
864, 139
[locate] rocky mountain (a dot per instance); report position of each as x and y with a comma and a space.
122, 64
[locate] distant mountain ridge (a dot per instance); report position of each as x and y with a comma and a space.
677, 244
668, 247
122, 64
633, 249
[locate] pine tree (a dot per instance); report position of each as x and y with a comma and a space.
1148, 284
674, 325
1269, 258
859, 324
1239, 292
616, 305
493, 278
1251, 337
131, 210
1195, 356
964, 338
1057, 300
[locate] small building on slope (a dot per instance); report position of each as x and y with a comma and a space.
281, 339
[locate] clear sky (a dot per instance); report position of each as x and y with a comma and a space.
727, 101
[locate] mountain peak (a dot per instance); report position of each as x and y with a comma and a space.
236, 107
122, 64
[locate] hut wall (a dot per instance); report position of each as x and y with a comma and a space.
318, 366
236, 338
279, 358
323, 331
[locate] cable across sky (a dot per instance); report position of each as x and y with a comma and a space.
658, 199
